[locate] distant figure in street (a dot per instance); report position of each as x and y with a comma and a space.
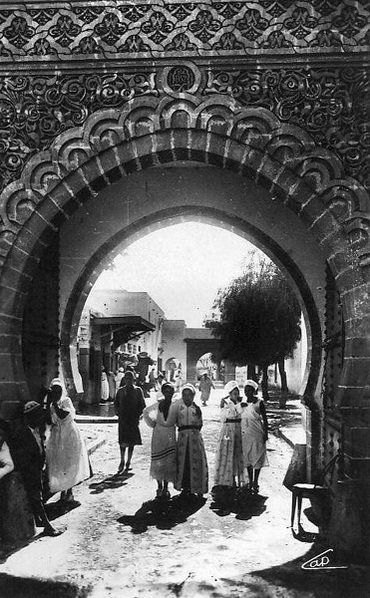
119, 376
192, 468
158, 386
111, 386
67, 461
161, 417
6, 461
205, 385
28, 452
178, 380
104, 391
254, 434
229, 469
129, 405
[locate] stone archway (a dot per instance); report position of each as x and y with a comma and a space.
251, 142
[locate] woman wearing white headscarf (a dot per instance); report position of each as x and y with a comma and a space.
67, 459
229, 458
192, 468
254, 434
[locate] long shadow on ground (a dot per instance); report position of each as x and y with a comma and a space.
111, 482
20, 587
163, 513
239, 501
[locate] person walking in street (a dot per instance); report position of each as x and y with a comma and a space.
6, 461
28, 453
205, 386
254, 434
192, 468
229, 470
104, 389
129, 405
67, 460
161, 417
118, 378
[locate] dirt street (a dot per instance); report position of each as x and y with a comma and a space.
188, 551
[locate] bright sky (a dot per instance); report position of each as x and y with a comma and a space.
181, 267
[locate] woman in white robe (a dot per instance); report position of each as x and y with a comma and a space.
254, 434
229, 470
67, 459
160, 416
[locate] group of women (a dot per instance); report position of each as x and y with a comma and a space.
180, 460
241, 448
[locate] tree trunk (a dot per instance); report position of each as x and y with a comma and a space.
283, 378
284, 385
264, 383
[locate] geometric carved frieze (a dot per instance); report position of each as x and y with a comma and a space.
108, 29
331, 104
282, 153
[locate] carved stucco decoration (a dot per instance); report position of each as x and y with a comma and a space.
149, 117
111, 29
330, 103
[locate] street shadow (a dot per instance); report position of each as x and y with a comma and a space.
340, 579
23, 587
239, 501
163, 513
111, 482
58, 508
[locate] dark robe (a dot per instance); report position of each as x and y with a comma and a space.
129, 405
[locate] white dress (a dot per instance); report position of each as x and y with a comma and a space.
163, 446
67, 460
229, 457
254, 447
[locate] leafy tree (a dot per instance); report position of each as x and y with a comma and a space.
257, 319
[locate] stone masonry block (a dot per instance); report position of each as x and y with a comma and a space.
10, 343
356, 371
356, 301
14, 279
76, 182
50, 209
9, 324
324, 226
349, 278
359, 346
12, 301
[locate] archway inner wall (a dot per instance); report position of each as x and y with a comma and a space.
141, 196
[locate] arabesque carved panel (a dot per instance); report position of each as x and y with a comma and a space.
330, 104
110, 29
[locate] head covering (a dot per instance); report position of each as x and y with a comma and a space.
56, 382
167, 384
251, 383
229, 387
189, 387
130, 374
31, 406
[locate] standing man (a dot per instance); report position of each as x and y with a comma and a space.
205, 386
29, 458
129, 405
